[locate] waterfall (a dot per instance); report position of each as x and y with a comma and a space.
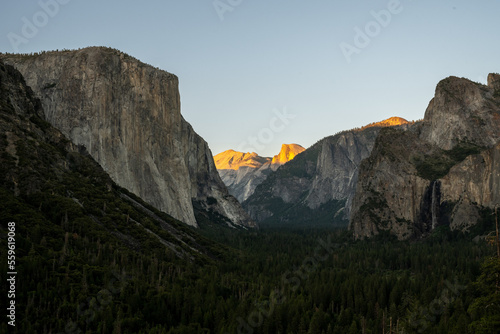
434, 204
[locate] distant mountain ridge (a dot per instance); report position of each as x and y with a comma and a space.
392, 121
243, 172
319, 184
231, 159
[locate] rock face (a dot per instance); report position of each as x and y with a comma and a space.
50, 184
442, 171
287, 153
318, 185
461, 111
470, 185
243, 172
127, 115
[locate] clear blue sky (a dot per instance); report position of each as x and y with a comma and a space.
239, 66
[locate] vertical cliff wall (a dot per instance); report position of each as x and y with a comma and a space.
127, 115
442, 171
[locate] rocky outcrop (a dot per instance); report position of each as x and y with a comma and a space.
319, 184
127, 115
243, 172
389, 185
442, 171
461, 111
287, 153
494, 82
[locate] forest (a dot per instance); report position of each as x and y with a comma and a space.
269, 281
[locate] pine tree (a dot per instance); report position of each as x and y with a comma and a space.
485, 309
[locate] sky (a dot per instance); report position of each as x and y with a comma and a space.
256, 74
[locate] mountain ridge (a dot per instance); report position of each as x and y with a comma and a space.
391, 121
317, 186
231, 159
243, 172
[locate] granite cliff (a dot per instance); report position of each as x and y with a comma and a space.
318, 185
127, 115
443, 171
51, 187
288, 152
243, 172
